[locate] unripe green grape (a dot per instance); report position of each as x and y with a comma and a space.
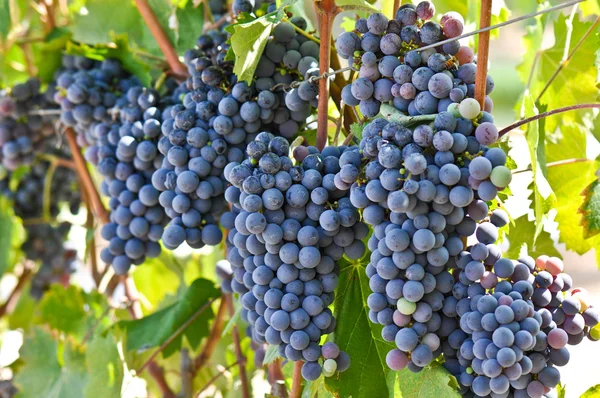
501, 176
329, 366
406, 307
469, 108
453, 109
595, 333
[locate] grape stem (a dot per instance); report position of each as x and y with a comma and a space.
91, 244
161, 37
218, 23
509, 22
85, 178
135, 311
239, 355
555, 164
176, 334
215, 334
208, 16
215, 377
545, 114
297, 380
50, 20
13, 297
276, 378
483, 52
187, 375
566, 60
48, 190
327, 12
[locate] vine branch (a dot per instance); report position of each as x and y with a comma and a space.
545, 114
297, 380
13, 297
566, 59
213, 339
85, 177
276, 378
483, 52
241, 359
554, 164
161, 37
215, 377
327, 12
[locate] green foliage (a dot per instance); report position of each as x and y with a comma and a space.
522, 239
368, 372
51, 370
433, 381
48, 53
568, 181
590, 210
6, 230
155, 329
592, 392
248, 41
543, 197
104, 367
4, 18
356, 5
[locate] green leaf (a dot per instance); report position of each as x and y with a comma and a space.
433, 381
153, 330
248, 42
13, 66
104, 367
271, 354
521, 238
50, 371
590, 210
316, 389
4, 19
158, 278
357, 129
569, 142
542, 192
568, 181
70, 310
576, 82
592, 392
6, 231
48, 53
356, 5
367, 375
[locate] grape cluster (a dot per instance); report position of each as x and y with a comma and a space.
283, 77
46, 244
292, 225
29, 198
86, 89
516, 320
126, 153
200, 136
392, 69
23, 135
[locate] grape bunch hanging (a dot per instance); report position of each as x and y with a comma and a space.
213, 160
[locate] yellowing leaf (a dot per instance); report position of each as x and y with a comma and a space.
592, 392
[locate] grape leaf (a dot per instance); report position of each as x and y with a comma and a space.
542, 191
576, 82
153, 330
592, 392
590, 210
12, 62
70, 310
47, 375
6, 229
433, 381
271, 354
104, 367
248, 42
568, 181
368, 372
355, 5
316, 389
5, 22
568, 142
521, 237
48, 53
